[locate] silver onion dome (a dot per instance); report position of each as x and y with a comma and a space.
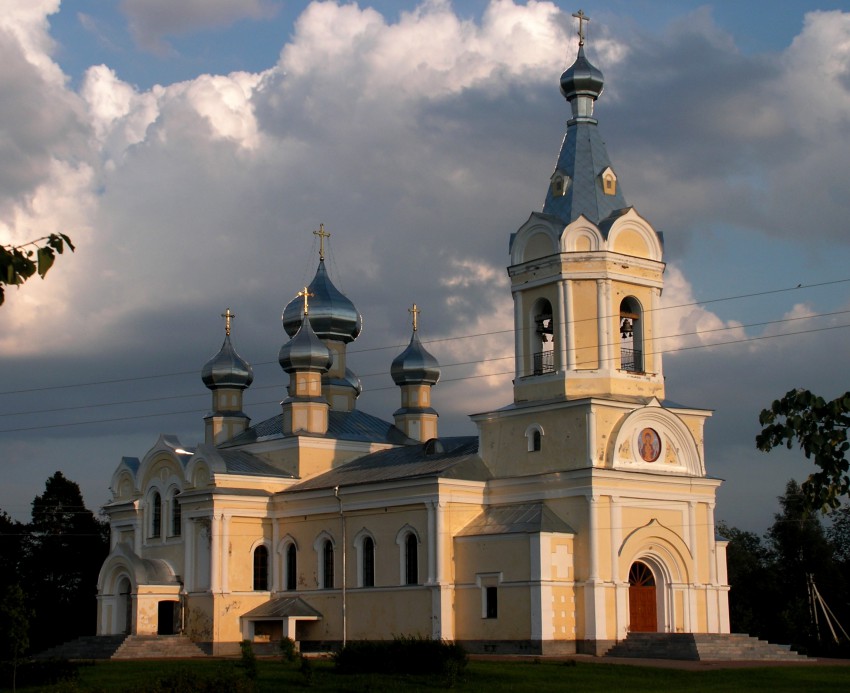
332, 315
415, 365
305, 351
581, 84
227, 369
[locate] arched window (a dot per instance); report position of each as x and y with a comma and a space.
631, 335
534, 437
368, 576
327, 565
543, 338
261, 568
176, 516
156, 515
411, 559
291, 567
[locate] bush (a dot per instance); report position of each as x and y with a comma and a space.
402, 655
288, 650
249, 659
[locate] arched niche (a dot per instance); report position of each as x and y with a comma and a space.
653, 439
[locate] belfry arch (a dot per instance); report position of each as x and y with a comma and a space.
542, 337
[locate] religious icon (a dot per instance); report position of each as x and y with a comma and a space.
649, 444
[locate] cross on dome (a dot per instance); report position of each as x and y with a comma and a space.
582, 18
322, 234
415, 313
228, 317
305, 292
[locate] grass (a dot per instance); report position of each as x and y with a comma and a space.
492, 677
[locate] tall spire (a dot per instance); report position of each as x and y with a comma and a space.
583, 182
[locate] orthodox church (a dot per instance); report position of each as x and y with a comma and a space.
581, 510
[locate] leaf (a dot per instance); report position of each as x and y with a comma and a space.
45, 261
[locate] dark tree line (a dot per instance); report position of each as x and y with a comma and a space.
54, 560
769, 576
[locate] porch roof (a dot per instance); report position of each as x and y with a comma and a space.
283, 607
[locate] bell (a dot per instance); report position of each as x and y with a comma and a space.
626, 329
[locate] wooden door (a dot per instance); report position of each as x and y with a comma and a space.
643, 603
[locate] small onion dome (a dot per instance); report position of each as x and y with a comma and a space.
305, 351
227, 369
581, 79
354, 382
332, 315
415, 365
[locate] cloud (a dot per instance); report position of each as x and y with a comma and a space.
152, 20
421, 144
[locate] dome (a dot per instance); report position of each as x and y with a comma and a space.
332, 315
581, 79
415, 365
305, 351
227, 369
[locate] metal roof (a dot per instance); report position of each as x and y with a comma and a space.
452, 458
241, 462
524, 518
354, 425
283, 607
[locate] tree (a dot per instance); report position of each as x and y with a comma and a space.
19, 263
754, 589
820, 429
14, 627
67, 545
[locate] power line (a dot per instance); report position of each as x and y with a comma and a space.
447, 365
112, 381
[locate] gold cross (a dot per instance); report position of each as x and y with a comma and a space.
306, 294
322, 234
415, 313
228, 316
582, 18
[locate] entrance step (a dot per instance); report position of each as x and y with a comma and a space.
86, 647
702, 646
158, 647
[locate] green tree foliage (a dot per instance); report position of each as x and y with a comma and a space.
66, 547
11, 549
768, 577
19, 263
820, 429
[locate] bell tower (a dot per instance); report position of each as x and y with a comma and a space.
586, 272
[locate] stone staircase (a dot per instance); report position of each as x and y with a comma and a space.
158, 647
703, 647
86, 647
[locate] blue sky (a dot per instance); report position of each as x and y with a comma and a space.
191, 147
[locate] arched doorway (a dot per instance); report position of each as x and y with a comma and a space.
124, 610
643, 601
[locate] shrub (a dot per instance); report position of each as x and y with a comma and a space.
288, 650
249, 659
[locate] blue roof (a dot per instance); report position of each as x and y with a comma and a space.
454, 458
354, 425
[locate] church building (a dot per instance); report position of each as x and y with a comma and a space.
581, 511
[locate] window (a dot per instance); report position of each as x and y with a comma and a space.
156, 514
261, 568
368, 575
491, 602
489, 584
327, 565
411, 560
534, 436
631, 336
176, 516
291, 568
543, 337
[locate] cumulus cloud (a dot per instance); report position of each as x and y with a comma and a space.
421, 144
152, 20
